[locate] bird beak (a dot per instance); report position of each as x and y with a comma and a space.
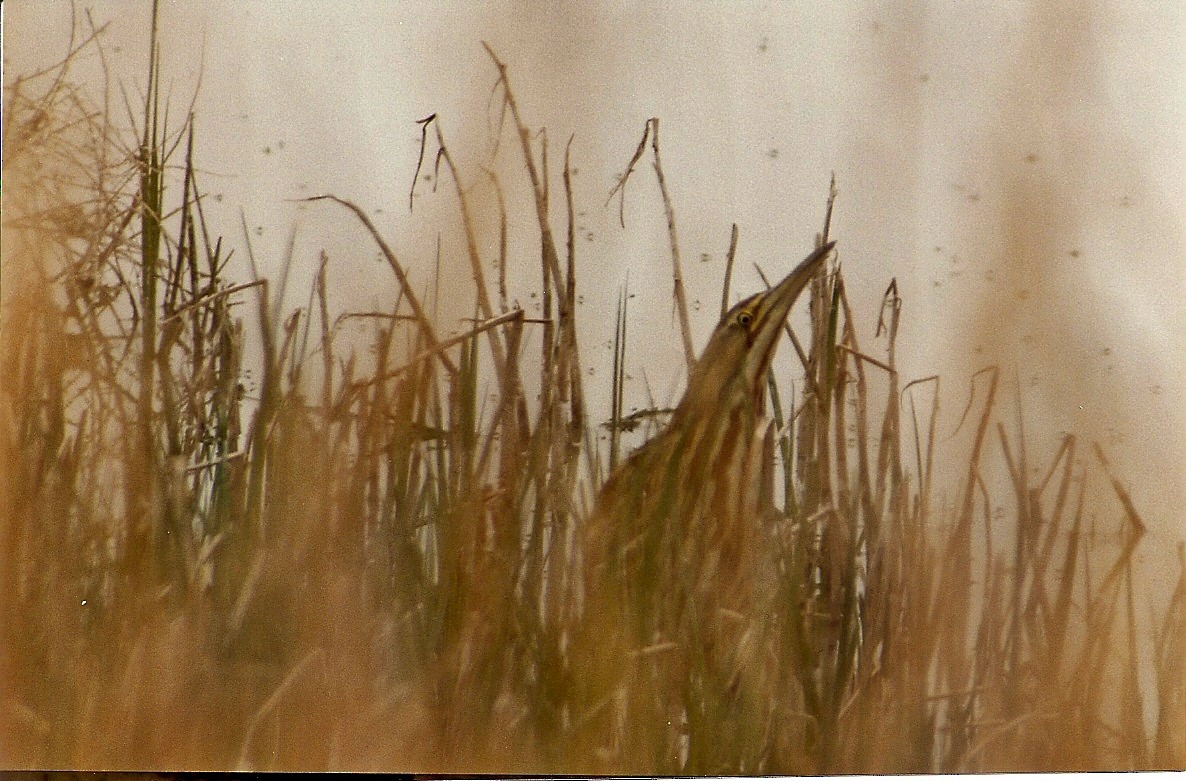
772, 313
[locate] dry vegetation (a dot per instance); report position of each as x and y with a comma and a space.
366, 569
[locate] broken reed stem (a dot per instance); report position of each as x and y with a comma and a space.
1130, 509
620, 186
677, 273
680, 301
924, 467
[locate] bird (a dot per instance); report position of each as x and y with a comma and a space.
673, 543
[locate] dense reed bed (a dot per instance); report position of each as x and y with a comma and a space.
356, 563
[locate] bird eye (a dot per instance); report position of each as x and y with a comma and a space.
744, 318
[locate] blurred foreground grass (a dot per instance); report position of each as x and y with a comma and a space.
362, 567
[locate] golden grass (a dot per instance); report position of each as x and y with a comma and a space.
364, 569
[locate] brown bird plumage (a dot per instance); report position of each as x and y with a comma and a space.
673, 543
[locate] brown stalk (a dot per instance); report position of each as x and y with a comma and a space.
651, 132
471, 244
575, 379
538, 185
677, 274
400, 274
1122, 494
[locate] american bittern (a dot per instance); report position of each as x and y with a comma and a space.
673, 546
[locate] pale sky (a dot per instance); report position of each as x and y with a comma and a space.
1020, 169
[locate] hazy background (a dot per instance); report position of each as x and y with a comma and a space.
1020, 169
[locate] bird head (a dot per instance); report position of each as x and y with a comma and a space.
742, 347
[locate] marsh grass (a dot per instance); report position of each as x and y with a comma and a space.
371, 568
